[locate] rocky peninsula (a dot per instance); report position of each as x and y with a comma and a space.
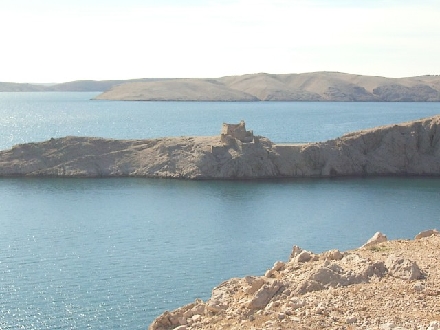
383, 285
411, 148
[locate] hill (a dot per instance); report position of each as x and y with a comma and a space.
177, 90
95, 85
315, 86
17, 87
71, 86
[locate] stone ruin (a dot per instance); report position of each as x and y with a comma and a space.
238, 132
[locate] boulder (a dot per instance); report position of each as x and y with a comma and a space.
434, 325
427, 233
255, 283
332, 255
333, 275
377, 238
303, 256
264, 295
403, 268
171, 320
278, 266
295, 251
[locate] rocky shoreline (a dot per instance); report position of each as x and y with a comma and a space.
381, 285
411, 148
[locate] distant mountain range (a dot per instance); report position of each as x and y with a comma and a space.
314, 86
73, 86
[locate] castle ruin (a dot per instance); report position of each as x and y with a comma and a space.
237, 132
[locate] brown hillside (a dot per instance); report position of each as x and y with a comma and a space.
176, 90
315, 86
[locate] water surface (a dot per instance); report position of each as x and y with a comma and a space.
115, 253
34, 116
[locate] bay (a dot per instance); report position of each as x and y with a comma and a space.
34, 117
115, 253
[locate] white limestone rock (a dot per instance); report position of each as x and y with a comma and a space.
332, 255
427, 233
348, 271
377, 238
434, 325
255, 283
295, 251
277, 267
178, 317
264, 295
303, 256
403, 268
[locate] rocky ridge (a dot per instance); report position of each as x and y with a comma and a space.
382, 285
71, 86
312, 86
411, 148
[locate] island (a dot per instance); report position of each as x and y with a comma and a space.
411, 148
382, 285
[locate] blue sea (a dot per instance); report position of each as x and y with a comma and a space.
116, 253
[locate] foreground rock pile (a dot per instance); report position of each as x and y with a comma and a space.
382, 285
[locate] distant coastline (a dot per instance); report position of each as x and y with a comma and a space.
314, 86
71, 86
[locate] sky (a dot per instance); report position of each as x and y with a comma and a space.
49, 41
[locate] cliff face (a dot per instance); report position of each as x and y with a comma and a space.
406, 149
382, 285
409, 148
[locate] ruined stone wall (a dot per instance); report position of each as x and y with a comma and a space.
236, 131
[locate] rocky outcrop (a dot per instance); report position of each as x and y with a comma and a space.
376, 239
390, 285
181, 157
427, 233
411, 148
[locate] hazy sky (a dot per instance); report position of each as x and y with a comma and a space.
65, 40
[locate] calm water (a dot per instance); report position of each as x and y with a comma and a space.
115, 253
30, 117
